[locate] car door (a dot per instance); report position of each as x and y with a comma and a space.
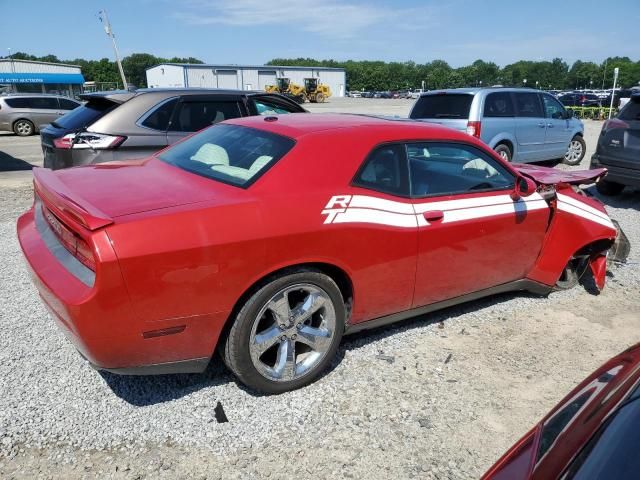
195, 112
472, 234
530, 126
558, 132
44, 110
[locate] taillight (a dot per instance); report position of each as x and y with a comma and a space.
65, 142
473, 129
95, 141
74, 244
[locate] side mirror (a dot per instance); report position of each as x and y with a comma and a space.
524, 187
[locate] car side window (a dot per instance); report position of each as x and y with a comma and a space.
159, 117
528, 105
17, 102
499, 104
269, 107
553, 108
192, 116
44, 103
66, 104
449, 169
385, 170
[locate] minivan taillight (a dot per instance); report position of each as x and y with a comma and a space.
473, 129
74, 244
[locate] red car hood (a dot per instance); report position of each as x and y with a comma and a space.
552, 176
111, 190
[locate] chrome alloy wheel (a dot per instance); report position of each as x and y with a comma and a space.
292, 332
574, 152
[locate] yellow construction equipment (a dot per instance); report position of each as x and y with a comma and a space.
284, 86
314, 91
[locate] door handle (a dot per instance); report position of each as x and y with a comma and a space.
433, 215
541, 125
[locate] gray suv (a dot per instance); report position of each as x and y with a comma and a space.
26, 114
122, 125
520, 124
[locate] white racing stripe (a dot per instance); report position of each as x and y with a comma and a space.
380, 211
567, 207
446, 205
379, 217
364, 201
583, 206
492, 210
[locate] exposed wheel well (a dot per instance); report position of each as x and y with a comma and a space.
337, 274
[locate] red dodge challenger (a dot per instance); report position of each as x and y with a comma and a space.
271, 237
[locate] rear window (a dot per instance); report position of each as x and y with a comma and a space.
445, 105
17, 102
631, 111
229, 153
85, 115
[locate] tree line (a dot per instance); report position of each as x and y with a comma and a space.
379, 75
555, 74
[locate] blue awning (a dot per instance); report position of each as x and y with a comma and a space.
64, 78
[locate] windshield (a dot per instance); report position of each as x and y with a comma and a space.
85, 115
444, 105
613, 451
229, 153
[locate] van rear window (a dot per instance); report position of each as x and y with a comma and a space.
443, 105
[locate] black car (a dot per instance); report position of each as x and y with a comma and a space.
580, 100
619, 149
122, 125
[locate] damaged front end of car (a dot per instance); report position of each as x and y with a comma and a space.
581, 235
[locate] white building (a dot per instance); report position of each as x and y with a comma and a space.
40, 77
243, 77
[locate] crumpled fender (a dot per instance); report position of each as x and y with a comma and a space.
598, 265
576, 222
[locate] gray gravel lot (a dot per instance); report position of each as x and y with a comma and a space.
392, 406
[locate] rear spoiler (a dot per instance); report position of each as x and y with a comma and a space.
51, 189
553, 176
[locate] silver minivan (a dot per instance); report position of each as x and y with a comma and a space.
26, 114
520, 124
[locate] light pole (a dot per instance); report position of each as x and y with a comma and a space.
107, 28
13, 68
525, 82
537, 83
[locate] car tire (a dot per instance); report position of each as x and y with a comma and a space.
286, 333
608, 188
23, 128
575, 152
504, 151
570, 276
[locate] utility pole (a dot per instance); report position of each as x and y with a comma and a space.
102, 15
604, 75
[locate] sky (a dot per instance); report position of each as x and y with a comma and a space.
256, 31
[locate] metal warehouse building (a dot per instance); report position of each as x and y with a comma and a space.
244, 77
40, 77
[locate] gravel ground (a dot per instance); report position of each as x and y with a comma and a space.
441, 396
